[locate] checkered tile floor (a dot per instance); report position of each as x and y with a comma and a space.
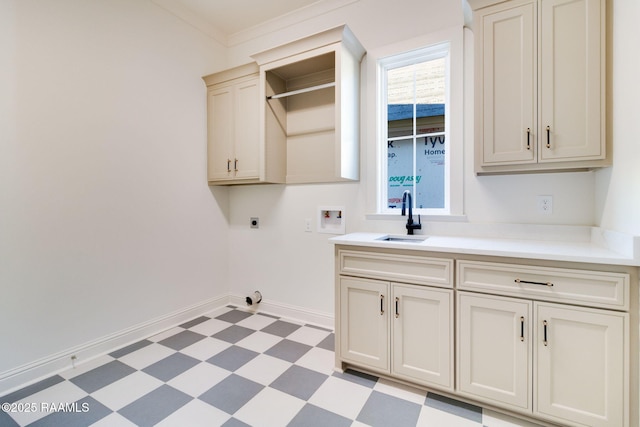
232, 368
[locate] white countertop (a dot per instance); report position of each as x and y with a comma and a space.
601, 247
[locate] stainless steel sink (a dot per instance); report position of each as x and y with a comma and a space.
403, 238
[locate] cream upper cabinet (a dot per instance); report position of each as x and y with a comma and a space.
540, 81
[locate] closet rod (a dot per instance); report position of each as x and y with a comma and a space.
307, 89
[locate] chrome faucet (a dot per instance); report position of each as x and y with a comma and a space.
406, 197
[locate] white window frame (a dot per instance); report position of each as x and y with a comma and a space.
409, 50
425, 54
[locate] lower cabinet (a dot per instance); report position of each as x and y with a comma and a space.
399, 329
560, 362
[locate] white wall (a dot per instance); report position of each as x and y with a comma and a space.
294, 267
618, 188
106, 220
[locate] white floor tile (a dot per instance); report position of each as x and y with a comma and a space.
63, 392
309, 336
114, 420
402, 391
119, 394
342, 397
146, 356
256, 322
270, 407
199, 379
431, 417
195, 414
318, 359
210, 327
263, 369
259, 341
205, 348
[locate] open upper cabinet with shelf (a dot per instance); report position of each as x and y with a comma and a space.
310, 96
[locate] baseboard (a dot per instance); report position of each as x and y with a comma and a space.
33, 372
303, 315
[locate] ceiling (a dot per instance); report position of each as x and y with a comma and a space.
226, 20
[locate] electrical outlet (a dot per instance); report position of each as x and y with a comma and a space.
254, 222
545, 205
307, 225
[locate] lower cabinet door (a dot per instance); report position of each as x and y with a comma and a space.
422, 334
364, 322
580, 373
494, 349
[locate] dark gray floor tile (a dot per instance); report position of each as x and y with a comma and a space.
461, 409
382, 410
171, 366
234, 316
181, 340
299, 382
233, 422
102, 376
194, 322
6, 420
82, 413
231, 394
328, 343
130, 349
357, 377
153, 407
312, 416
281, 328
232, 358
288, 350
31, 389
233, 334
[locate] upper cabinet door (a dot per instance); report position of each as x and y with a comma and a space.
571, 80
507, 64
247, 130
220, 153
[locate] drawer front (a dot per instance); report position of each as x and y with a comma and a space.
401, 268
591, 288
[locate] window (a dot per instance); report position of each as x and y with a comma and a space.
414, 88
419, 125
